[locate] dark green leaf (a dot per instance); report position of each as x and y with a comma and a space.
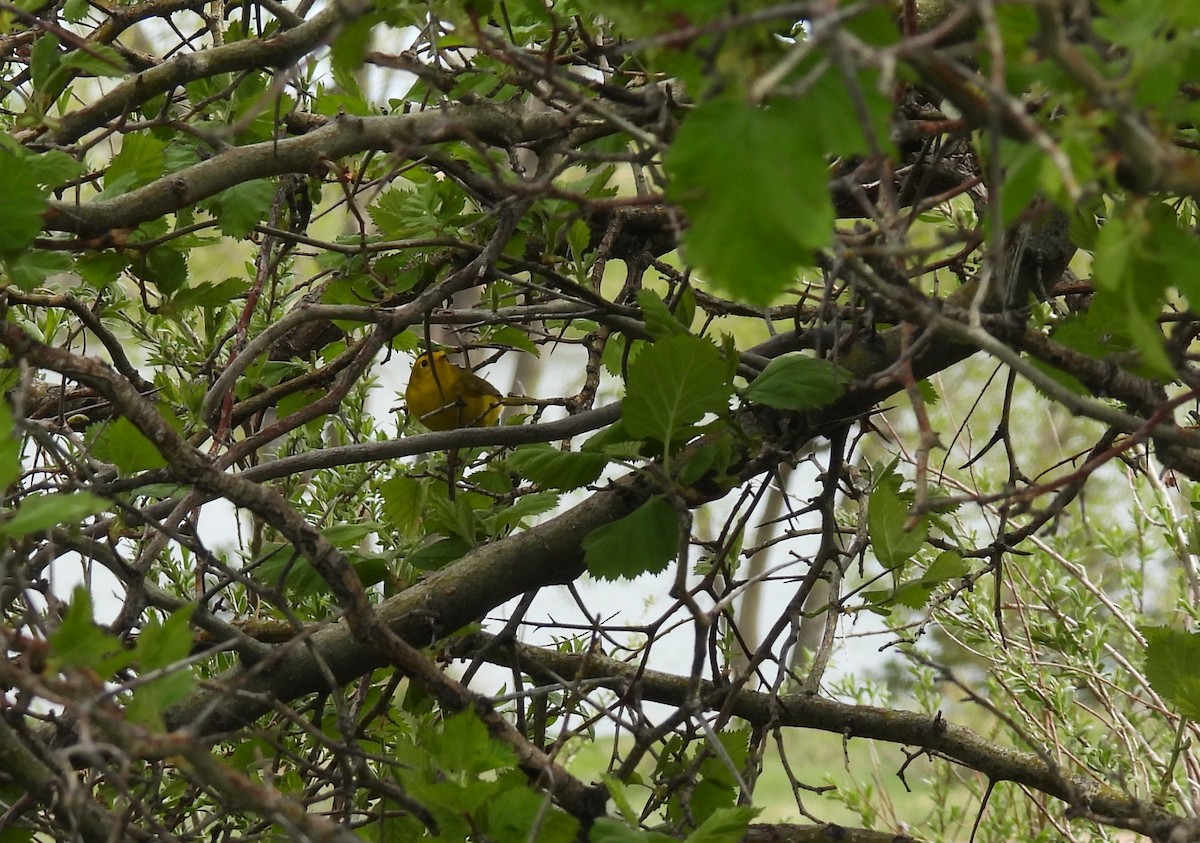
673, 383
753, 182
79, 642
33, 268
239, 208
645, 541
555, 469
41, 512
724, 825
660, 322
795, 381
1173, 667
403, 499
123, 445
22, 202
434, 557
887, 515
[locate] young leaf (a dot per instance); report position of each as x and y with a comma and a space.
753, 182
795, 381
565, 470
660, 322
645, 541
1173, 667
725, 825
123, 445
79, 642
22, 201
887, 515
41, 512
673, 383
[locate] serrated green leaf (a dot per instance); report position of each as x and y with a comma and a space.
79, 642
645, 541
41, 512
1172, 667
140, 161
22, 202
239, 208
565, 470
207, 294
660, 322
32, 268
97, 60
947, 566
887, 515
434, 557
673, 383
163, 267
795, 381
403, 500
122, 444
753, 182
725, 825
10, 448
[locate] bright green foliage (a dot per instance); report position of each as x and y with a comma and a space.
915, 593
42, 512
159, 645
674, 383
22, 201
798, 382
645, 541
557, 469
660, 321
1173, 667
123, 445
80, 643
753, 184
715, 776
893, 538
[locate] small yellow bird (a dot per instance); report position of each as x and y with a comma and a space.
445, 397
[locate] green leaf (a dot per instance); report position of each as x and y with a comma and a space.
163, 267
947, 566
1173, 667
645, 541
123, 445
887, 515
434, 557
565, 470
97, 60
158, 646
660, 322
41, 512
22, 202
78, 642
673, 383
53, 167
10, 448
32, 268
403, 500
608, 830
506, 518
795, 381
725, 825
239, 208
207, 294
44, 60
140, 161
464, 748
754, 185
